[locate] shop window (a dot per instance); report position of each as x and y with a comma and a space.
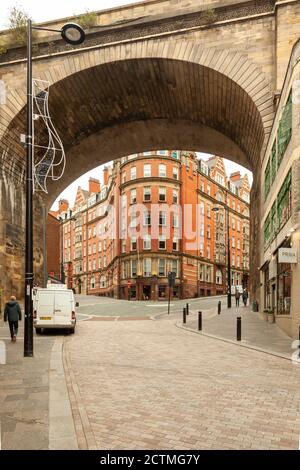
132, 292
161, 292
284, 281
176, 292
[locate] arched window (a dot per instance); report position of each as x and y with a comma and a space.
219, 276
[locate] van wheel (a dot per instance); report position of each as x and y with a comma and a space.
38, 331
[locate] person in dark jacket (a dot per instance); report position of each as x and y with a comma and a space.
12, 313
237, 298
245, 297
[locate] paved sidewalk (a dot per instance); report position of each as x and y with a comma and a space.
35, 413
256, 333
24, 393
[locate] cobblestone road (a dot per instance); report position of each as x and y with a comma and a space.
150, 385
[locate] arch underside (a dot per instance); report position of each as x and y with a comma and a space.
110, 110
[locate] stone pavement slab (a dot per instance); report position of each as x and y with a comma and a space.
150, 385
35, 412
24, 393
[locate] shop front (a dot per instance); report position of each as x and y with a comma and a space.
284, 279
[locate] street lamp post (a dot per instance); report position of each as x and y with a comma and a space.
72, 34
216, 209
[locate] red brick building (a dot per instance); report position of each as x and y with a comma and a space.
152, 215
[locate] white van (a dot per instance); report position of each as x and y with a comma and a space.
54, 307
238, 288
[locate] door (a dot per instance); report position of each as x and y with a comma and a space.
63, 307
146, 292
44, 307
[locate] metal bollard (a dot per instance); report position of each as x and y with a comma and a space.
219, 307
299, 341
238, 328
187, 309
200, 321
184, 315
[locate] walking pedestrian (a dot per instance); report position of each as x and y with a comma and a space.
237, 298
12, 313
245, 297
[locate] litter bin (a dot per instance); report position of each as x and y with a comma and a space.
254, 306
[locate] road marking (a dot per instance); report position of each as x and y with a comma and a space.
160, 305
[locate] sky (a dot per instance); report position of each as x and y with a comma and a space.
40, 11
70, 192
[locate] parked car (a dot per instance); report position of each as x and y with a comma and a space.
54, 307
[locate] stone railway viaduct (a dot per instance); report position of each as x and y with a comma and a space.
184, 74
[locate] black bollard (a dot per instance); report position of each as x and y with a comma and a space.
219, 307
187, 309
299, 341
199, 321
184, 315
238, 328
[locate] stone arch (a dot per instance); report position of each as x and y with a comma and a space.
110, 101
235, 93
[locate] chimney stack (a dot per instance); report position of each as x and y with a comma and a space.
105, 175
236, 176
94, 186
63, 205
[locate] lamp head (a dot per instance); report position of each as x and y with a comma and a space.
72, 33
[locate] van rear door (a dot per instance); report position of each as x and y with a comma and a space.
45, 307
63, 307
